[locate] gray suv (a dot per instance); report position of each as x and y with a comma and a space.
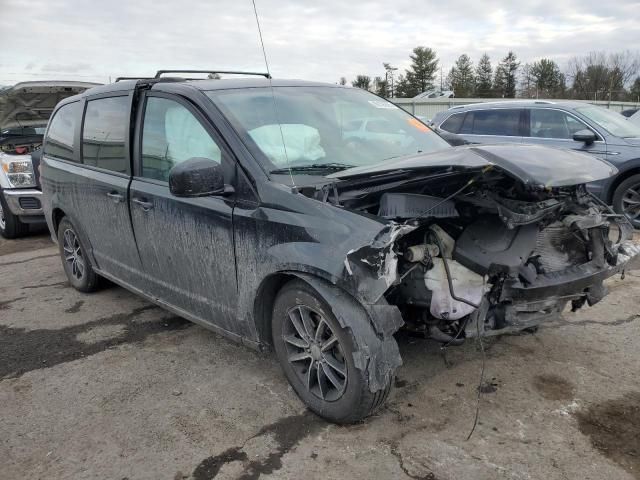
564, 124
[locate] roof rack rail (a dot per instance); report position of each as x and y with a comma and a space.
159, 73
119, 79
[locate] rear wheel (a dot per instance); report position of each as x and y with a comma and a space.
316, 355
626, 199
10, 224
75, 262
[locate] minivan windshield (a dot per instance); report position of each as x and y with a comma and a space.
612, 122
319, 130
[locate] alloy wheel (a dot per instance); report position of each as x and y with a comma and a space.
3, 220
631, 202
73, 254
315, 353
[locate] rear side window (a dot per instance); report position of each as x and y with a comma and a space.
453, 123
62, 129
172, 134
498, 122
103, 134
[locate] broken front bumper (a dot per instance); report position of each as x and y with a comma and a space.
525, 306
572, 281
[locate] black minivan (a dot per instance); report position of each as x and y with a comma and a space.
317, 220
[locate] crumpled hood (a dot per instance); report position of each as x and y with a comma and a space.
31, 103
531, 164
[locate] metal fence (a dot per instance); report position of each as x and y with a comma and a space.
428, 109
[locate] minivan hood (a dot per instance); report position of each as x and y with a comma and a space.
531, 164
31, 103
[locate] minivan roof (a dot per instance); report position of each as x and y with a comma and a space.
205, 85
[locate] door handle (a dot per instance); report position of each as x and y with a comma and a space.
116, 197
146, 206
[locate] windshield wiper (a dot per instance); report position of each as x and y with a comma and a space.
314, 167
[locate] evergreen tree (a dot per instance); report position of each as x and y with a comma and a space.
634, 93
504, 83
462, 77
547, 78
484, 72
419, 78
363, 82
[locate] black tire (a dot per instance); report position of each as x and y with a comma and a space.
354, 401
10, 224
76, 264
624, 196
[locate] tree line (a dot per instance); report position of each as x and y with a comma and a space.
595, 76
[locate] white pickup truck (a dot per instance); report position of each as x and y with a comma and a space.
24, 112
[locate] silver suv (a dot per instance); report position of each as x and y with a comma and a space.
564, 124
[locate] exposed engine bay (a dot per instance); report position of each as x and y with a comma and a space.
477, 252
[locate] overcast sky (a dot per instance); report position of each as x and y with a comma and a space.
318, 39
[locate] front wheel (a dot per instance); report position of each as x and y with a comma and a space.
626, 199
75, 262
316, 355
10, 224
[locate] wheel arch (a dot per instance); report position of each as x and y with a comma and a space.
621, 177
374, 325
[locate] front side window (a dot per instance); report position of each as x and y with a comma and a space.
60, 137
171, 134
547, 123
306, 128
504, 122
103, 134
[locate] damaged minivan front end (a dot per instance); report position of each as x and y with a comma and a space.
483, 240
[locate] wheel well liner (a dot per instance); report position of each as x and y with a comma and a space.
56, 217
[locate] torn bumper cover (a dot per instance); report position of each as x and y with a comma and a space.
372, 269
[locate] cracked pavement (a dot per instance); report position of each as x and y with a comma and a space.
108, 386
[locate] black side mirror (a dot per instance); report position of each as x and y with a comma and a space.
586, 136
197, 177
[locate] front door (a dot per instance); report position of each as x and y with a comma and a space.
185, 244
555, 128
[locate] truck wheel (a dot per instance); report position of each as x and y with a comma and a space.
626, 199
316, 355
10, 224
76, 264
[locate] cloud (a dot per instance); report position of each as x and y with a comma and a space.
303, 38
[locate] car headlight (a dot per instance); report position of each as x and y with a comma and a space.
19, 172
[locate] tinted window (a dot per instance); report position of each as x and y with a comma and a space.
170, 135
103, 134
546, 123
453, 123
501, 122
59, 141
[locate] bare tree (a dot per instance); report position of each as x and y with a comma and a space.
601, 76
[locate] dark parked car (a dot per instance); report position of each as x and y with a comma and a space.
572, 125
629, 112
247, 206
24, 112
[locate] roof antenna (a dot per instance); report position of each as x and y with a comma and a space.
273, 96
